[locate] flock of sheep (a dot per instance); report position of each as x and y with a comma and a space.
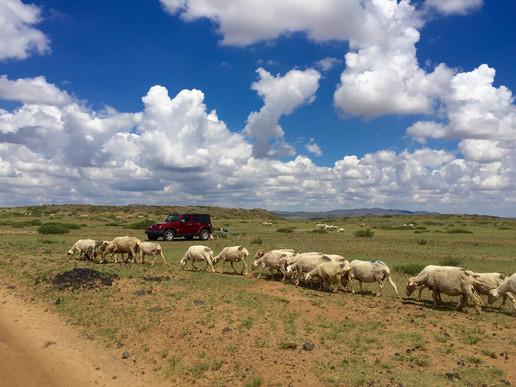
330, 271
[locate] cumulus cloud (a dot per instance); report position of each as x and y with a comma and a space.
328, 63
18, 38
479, 114
32, 90
177, 149
313, 148
281, 95
449, 7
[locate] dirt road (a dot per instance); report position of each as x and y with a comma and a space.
38, 349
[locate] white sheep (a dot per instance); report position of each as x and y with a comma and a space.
453, 281
329, 273
371, 271
273, 260
87, 249
485, 282
198, 253
233, 254
507, 287
151, 248
306, 262
341, 230
411, 287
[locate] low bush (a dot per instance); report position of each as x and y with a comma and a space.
421, 242
319, 231
459, 231
142, 225
450, 261
256, 241
53, 228
409, 268
285, 230
26, 223
367, 233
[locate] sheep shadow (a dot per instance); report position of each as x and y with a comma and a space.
444, 306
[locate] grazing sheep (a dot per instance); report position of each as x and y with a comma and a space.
87, 249
231, 255
151, 248
453, 281
198, 253
267, 224
329, 272
411, 286
341, 230
485, 282
273, 260
121, 245
507, 287
371, 271
306, 262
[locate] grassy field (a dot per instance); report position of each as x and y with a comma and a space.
224, 329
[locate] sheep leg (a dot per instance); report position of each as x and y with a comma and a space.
435, 296
195, 267
211, 266
284, 272
361, 289
163, 257
393, 286
244, 269
420, 291
233, 267
261, 270
380, 288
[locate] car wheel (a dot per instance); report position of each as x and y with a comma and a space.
169, 235
204, 235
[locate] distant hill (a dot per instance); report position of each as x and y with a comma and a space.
356, 212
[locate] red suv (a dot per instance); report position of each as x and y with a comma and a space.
187, 225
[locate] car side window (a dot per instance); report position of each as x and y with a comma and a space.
186, 218
197, 218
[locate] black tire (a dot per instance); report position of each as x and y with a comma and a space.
152, 238
189, 237
204, 235
169, 235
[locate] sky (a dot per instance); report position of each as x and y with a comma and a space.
291, 105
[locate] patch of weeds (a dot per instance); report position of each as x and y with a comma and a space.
253, 381
409, 268
319, 231
247, 323
173, 362
256, 241
288, 230
422, 242
367, 233
471, 339
488, 353
142, 225
197, 370
216, 365
474, 360
458, 231
441, 339
260, 343
450, 261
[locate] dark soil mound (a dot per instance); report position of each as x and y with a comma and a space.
82, 278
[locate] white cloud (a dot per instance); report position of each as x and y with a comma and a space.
32, 90
328, 63
175, 147
481, 115
18, 38
449, 7
313, 148
281, 95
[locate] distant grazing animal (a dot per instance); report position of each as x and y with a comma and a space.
121, 245
232, 254
198, 253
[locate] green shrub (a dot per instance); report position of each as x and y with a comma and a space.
53, 228
26, 223
409, 268
71, 226
142, 225
114, 224
285, 229
450, 261
459, 231
319, 231
421, 242
367, 233
256, 241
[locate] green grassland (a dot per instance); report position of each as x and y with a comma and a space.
223, 329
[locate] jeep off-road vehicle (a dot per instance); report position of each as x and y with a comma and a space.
186, 225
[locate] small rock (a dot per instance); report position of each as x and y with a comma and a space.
227, 330
308, 346
119, 344
49, 343
140, 293
125, 355
199, 302
114, 377
461, 363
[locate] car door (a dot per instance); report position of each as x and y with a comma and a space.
187, 225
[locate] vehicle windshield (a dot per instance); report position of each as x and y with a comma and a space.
172, 218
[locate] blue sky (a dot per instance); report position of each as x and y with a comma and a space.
371, 141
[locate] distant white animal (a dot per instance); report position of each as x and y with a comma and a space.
341, 230
87, 249
198, 253
267, 224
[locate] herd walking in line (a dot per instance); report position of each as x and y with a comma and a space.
328, 271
